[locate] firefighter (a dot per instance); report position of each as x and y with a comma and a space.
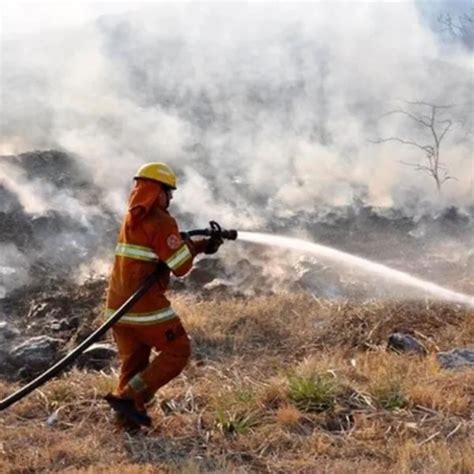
149, 234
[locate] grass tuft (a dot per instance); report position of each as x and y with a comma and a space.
236, 423
288, 416
315, 393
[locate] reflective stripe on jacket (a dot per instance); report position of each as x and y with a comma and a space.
136, 251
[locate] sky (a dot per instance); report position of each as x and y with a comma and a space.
20, 17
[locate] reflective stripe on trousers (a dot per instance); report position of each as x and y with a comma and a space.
160, 315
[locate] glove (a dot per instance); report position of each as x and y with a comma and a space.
212, 245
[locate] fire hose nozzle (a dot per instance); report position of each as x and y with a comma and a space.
214, 230
218, 231
230, 234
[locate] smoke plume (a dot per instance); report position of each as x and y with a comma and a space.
266, 111
261, 108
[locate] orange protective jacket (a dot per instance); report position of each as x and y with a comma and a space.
148, 234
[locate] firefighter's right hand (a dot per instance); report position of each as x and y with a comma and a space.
212, 245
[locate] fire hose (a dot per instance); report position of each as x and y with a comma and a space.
214, 231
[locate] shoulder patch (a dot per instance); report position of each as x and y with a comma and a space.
173, 241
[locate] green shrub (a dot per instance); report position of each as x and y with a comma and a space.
313, 394
234, 422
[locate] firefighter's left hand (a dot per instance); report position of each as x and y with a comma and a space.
212, 245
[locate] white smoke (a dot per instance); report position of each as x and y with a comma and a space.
263, 108
14, 179
37, 196
14, 268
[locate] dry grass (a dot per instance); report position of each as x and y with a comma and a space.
287, 383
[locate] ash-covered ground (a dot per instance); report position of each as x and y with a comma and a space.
54, 258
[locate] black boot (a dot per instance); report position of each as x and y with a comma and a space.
126, 407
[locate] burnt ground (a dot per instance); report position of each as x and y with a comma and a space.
51, 244
67, 311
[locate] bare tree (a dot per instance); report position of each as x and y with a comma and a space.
460, 27
437, 128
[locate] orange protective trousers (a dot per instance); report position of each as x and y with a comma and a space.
135, 343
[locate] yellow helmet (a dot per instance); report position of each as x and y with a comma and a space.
157, 172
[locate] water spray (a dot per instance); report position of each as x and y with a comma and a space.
329, 253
